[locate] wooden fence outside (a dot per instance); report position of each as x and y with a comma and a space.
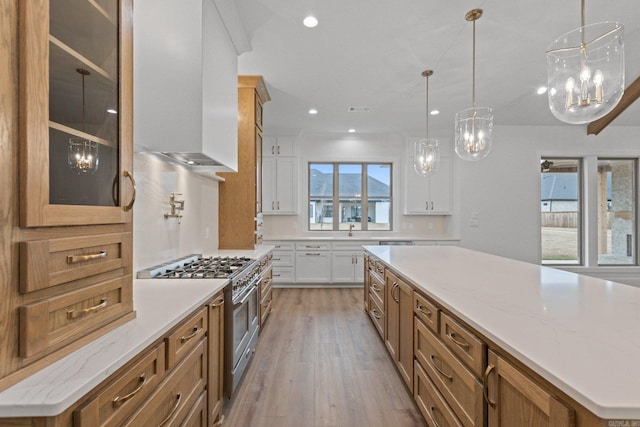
565, 219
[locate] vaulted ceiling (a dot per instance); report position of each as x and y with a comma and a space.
371, 53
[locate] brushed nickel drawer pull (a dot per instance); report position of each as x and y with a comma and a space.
186, 338
459, 343
485, 385
173, 410
266, 303
312, 247
433, 410
375, 314
310, 254
117, 401
218, 302
72, 314
423, 310
393, 295
379, 269
375, 287
73, 259
219, 422
133, 196
440, 371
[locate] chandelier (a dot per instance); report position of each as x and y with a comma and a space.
426, 154
585, 72
473, 126
82, 154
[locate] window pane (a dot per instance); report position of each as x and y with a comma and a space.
379, 180
350, 214
616, 211
321, 214
350, 180
560, 211
379, 214
320, 180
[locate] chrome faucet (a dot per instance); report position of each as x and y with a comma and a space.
351, 230
177, 206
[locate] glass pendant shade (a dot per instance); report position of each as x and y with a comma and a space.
426, 156
474, 133
585, 72
82, 155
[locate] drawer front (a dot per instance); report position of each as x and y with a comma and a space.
377, 315
124, 395
432, 405
186, 336
377, 289
265, 286
353, 246
47, 263
197, 417
51, 323
173, 400
426, 311
284, 274
279, 245
265, 306
455, 382
313, 246
463, 343
283, 258
378, 269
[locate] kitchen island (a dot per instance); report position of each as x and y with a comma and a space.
575, 336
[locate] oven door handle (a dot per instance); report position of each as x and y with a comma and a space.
246, 296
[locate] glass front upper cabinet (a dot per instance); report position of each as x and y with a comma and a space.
76, 99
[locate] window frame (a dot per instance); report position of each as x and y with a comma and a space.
364, 197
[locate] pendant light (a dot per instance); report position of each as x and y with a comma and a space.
426, 153
474, 126
585, 72
82, 156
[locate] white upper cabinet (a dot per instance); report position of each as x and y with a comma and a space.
429, 195
279, 146
185, 80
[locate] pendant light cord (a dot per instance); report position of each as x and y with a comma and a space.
426, 133
473, 77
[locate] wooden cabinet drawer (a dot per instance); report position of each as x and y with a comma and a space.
265, 305
49, 324
52, 262
376, 314
455, 382
122, 397
432, 405
378, 268
197, 417
377, 289
426, 311
185, 337
463, 343
173, 400
265, 262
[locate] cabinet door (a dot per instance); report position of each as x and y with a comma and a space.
286, 146
418, 192
269, 179
516, 400
76, 152
392, 310
343, 264
404, 293
313, 267
359, 267
441, 188
269, 144
286, 185
431, 194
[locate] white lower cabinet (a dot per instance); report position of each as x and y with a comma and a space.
283, 262
313, 266
348, 267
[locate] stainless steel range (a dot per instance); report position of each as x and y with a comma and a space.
241, 304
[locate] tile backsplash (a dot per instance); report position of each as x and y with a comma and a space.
157, 239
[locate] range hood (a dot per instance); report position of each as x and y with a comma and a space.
185, 82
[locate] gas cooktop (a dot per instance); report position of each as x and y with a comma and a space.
198, 267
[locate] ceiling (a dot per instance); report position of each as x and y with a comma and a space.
371, 53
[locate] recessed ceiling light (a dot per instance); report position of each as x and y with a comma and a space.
541, 90
190, 162
313, 111
112, 111
435, 112
351, 130
310, 21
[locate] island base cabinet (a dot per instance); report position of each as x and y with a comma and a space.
432, 405
516, 400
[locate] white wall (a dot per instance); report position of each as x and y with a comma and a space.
361, 148
512, 172
157, 240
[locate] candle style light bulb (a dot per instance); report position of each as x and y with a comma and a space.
598, 78
585, 75
569, 86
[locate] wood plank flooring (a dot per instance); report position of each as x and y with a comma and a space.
321, 363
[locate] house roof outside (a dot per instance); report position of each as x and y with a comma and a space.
350, 185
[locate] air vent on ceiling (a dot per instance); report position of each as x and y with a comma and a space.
359, 109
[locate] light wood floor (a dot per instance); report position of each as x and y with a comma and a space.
321, 363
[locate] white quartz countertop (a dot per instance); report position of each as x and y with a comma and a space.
580, 333
160, 304
359, 238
